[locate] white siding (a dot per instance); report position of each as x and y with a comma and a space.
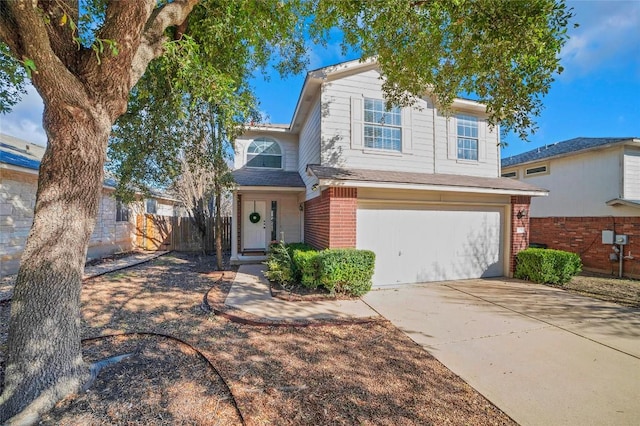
288, 145
632, 174
425, 134
310, 144
579, 185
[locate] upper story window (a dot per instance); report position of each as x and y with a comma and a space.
537, 170
264, 152
382, 127
467, 137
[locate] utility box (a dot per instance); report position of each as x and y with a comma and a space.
607, 237
622, 239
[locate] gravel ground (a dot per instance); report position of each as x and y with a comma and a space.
623, 291
348, 374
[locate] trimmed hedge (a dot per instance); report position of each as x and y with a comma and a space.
306, 265
338, 270
547, 266
346, 270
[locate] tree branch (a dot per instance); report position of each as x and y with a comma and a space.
51, 78
174, 13
8, 29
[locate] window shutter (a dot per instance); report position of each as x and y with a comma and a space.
407, 141
452, 137
357, 109
482, 141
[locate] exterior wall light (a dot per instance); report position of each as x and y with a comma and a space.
522, 213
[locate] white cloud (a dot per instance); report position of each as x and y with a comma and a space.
25, 120
608, 35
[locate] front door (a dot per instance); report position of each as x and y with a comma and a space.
254, 225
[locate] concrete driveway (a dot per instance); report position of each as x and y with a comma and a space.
544, 356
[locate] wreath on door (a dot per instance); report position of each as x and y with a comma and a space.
254, 217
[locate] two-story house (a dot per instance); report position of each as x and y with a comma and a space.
420, 189
594, 186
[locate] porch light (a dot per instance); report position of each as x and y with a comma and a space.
314, 187
522, 213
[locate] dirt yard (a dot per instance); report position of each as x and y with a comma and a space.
185, 365
623, 291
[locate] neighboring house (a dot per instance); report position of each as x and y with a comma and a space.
419, 189
19, 164
594, 186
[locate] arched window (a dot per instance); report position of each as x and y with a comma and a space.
264, 152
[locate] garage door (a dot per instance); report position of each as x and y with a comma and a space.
416, 244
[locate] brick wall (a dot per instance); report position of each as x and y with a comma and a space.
330, 219
519, 228
343, 210
583, 235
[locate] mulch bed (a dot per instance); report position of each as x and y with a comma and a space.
348, 374
299, 293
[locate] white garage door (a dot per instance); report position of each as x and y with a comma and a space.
415, 244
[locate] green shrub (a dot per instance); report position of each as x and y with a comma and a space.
547, 266
306, 267
279, 265
292, 248
346, 270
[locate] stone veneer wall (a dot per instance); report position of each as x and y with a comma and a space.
17, 202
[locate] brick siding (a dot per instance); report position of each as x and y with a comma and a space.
330, 219
583, 235
519, 240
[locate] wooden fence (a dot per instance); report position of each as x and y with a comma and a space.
178, 233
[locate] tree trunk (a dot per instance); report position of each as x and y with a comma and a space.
44, 359
218, 220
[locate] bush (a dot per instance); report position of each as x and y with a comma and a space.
306, 267
279, 265
547, 266
346, 270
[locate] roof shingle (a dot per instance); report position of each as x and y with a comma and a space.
260, 177
560, 148
437, 179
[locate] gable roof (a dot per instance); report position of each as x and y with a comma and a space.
267, 178
314, 79
563, 148
432, 181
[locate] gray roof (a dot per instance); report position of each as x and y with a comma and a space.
561, 148
261, 177
438, 179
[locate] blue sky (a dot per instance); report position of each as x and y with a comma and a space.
597, 95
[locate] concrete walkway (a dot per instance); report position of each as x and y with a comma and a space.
250, 293
542, 355
124, 262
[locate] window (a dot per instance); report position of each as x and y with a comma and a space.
467, 137
513, 174
538, 170
122, 211
264, 152
152, 206
274, 221
382, 127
